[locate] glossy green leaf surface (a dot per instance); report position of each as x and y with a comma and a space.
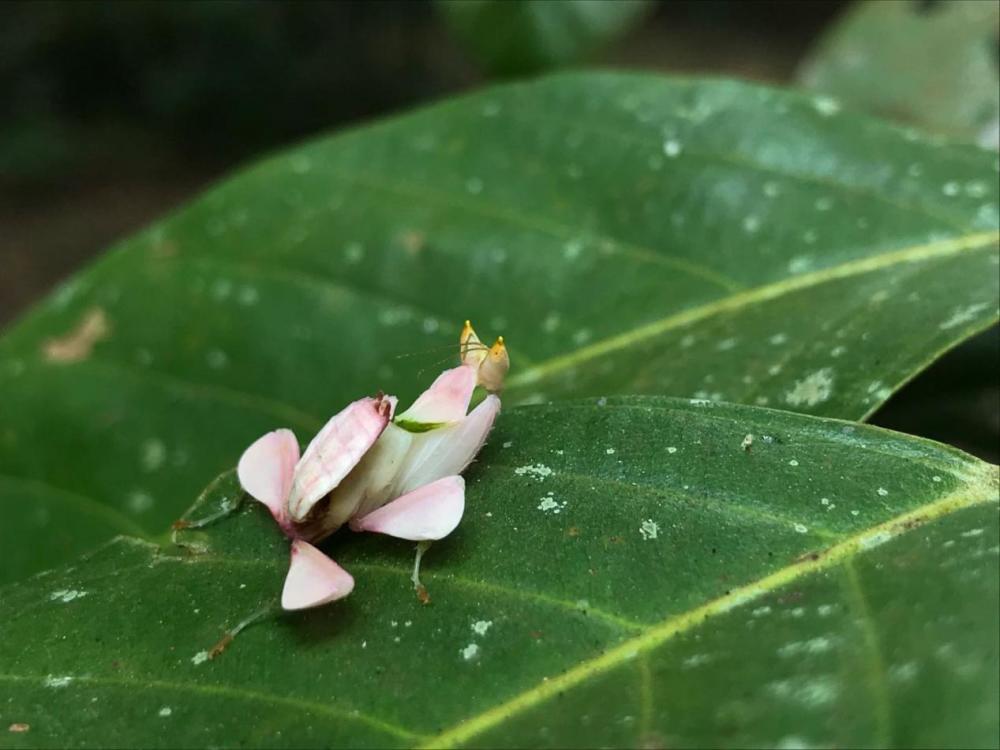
626, 233
933, 64
532, 36
627, 574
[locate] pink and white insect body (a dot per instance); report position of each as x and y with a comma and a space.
375, 471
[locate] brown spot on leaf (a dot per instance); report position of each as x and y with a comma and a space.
413, 241
791, 596
77, 344
163, 249
573, 531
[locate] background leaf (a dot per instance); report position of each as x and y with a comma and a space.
627, 233
930, 63
534, 35
626, 575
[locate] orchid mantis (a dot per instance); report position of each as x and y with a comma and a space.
377, 471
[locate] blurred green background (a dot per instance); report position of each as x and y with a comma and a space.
112, 113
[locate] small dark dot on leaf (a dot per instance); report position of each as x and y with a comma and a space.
924, 7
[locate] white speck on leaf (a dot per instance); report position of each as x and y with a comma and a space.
671, 148
200, 658
470, 652
248, 296
962, 315
479, 627
649, 530
67, 595
801, 529
811, 390
671, 449
140, 501
882, 491
165, 711
610, 451
217, 359
53, 681
817, 645
826, 106
572, 250
154, 453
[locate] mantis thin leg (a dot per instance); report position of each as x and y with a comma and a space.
421, 590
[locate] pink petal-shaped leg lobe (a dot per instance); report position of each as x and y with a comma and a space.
266, 469
429, 512
313, 579
447, 399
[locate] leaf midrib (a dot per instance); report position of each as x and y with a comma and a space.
978, 492
763, 293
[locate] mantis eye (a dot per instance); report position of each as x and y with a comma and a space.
491, 363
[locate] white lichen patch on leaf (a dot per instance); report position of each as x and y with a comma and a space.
536, 471
549, 504
812, 389
470, 652
649, 530
479, 627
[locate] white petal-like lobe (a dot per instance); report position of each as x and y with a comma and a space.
446, 450
447, 399
266, 470
430, 512
337, 449
313, 579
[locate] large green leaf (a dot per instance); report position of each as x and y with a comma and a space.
628, 234
934, 64
534, 35
627, 574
